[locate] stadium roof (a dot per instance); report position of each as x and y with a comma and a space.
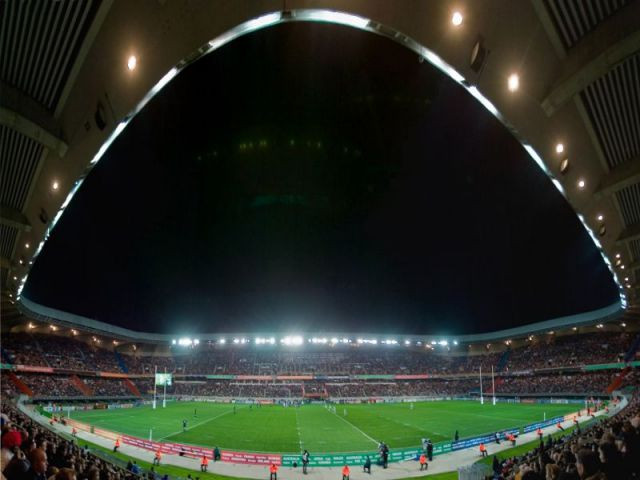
52, 316
63, 102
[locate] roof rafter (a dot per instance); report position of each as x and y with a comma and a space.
597, 53
25, 115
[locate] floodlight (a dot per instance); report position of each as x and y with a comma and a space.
456, 19
132, 62
559, 148
513, 82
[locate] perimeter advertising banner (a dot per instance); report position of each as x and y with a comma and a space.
534, 426
338, 460
473, 441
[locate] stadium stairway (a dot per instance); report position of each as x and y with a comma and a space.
504, 359
132, 387
20, 385
121, 363
80, 385
631, 353
5, 356
618, 379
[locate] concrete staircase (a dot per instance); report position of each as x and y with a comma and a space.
80, 386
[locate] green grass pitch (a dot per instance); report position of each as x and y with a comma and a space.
280, 429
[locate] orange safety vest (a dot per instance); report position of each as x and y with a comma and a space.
205, 461
345, 471
273, 468
158, 455
117, 442
482, 447
423, 459
539, 431
558, 425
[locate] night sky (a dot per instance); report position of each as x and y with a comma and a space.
316, 178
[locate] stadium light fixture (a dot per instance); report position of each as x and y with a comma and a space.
173, 342
456, 19
617, 255
334, 341
600, 217
559, 148
132, 62
407, 343
433, 342
443, 343
564, 166
295, 340
55, 185
26, 245
455, 342
623, 324
574, 328
581, 184
222, 341
513, 83
31, 326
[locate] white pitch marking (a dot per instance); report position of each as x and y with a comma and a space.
195, 425
349, 423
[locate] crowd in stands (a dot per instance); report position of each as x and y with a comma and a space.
545, 352
107, 387
31, 452
609, 450
512, 367
571, 350
560, 383
61, 385
49, 385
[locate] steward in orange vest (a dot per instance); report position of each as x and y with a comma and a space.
345, 472
483, 450
273, 472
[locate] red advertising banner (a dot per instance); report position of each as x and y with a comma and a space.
410, 377
264, 378
294, 377
78, 425
113, 375
251, 458
198, 452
